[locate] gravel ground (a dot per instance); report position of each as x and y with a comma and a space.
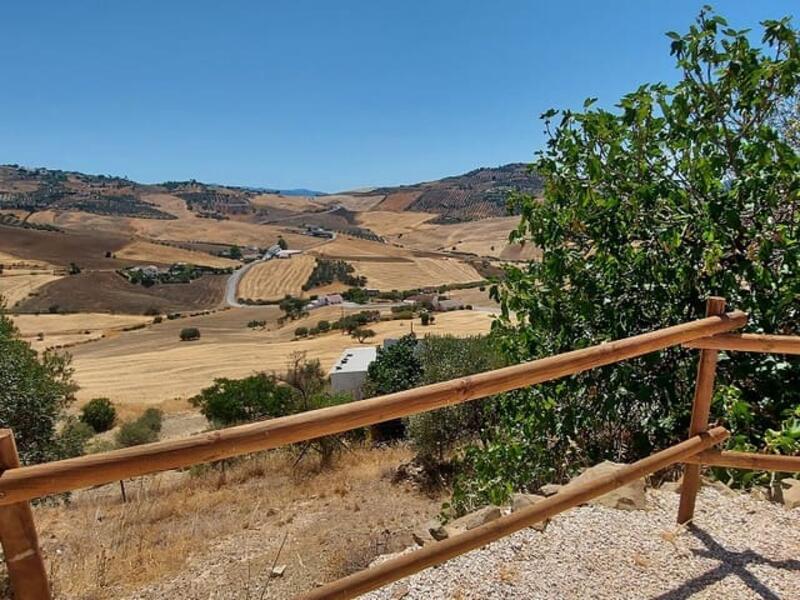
739, 547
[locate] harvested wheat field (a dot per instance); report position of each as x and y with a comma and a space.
348, 248
387, 223
487, 237
274, 279
60, 330
416, 273
162, 254
122, 368
15, 287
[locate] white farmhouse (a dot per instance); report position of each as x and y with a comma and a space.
350, 371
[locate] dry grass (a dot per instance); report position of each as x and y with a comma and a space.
159, 253
15, 287
183, 526
354, 248
486, 237
273, 279
152, 365
419, 272
387, 223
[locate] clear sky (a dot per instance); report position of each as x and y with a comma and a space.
329, 95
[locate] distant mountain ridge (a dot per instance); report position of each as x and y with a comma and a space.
478, 194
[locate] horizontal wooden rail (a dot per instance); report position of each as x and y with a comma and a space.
34, 481
435, 553
747, 460
749, 342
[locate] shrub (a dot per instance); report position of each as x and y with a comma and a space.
189, 334
301, 332
143, 430
73, 437
152, 312
158, 319
99, 414
324, 326
425, 318
233, 401
260, 324
362, 334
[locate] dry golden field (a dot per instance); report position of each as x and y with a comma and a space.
186, 228
487, 237
347, 248
60, 330
18, 285
387, 223
152, 365
159, 253
415, 273
276, 278
295, 203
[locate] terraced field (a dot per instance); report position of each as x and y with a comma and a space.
274, 279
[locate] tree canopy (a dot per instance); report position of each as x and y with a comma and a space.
680, 193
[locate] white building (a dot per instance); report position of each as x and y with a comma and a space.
350, 371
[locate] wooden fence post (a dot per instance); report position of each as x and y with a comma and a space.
21, 550
701, 407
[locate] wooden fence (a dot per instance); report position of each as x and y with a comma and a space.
19, 485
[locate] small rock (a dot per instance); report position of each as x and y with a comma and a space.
436, 530
422, 536
791, 492
759, 493
627, 497
550, 489
721, 487
278, 571
473, 520
401, 591
519, 501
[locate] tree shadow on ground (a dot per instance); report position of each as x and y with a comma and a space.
731, 563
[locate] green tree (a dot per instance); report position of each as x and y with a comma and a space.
362, 334
282, 243
189, 334
235, 252
34, 394
99, 414
682, 192
293, 308
233, 401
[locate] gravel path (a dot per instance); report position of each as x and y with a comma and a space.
739, 548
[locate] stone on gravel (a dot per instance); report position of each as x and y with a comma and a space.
473, 520
278, 571
519, 501
791, 492
627, 497
550, 489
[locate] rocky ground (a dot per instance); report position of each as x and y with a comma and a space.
738, 547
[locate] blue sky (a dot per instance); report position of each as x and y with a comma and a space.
326, 95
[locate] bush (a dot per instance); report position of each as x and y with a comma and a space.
99, 414
425, 318
233, 401
73, 437
324, 326
152, 312
158, 319
189, 334
301, 332
362, 334
143, 430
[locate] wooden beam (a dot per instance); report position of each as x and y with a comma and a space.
747, 460
21, 551
95, 469
701, 406
439, 552
749, 342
